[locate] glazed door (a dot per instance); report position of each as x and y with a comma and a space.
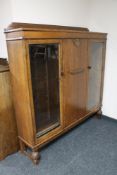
44, 68
95, 74
74, 78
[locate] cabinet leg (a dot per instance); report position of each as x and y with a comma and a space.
99, 114
35, 157
22, 146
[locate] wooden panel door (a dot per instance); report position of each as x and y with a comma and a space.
74, 79
95, 73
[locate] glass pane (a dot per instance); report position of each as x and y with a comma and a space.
45, 86
95, 70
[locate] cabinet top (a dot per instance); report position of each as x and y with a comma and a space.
41, 27
20, 31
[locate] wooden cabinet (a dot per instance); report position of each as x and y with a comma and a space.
8, 129
57, 77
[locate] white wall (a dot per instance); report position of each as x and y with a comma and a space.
61, 12
97, 15
103, 18
5, 19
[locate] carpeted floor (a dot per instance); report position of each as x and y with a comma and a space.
89, 149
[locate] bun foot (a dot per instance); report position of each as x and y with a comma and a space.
99, 114
35, 157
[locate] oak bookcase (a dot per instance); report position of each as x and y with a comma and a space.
57, 79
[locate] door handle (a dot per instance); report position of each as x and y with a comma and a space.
76, 71
89, 67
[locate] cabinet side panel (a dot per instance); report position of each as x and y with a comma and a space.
103, 70
19, 76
